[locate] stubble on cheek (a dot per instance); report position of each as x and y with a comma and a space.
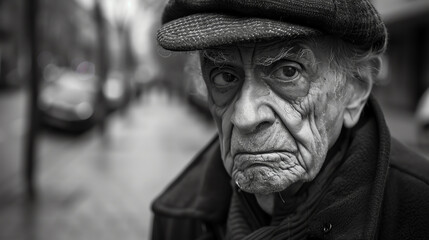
277, 171
312, 138
266, 173
267, 161
221, 116
307, 129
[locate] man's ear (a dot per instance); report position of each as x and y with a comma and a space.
359, 95
359, 90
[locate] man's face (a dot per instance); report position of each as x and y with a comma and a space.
278, 108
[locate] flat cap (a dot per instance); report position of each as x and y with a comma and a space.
201, 24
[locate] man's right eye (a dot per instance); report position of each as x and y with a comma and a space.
224, 79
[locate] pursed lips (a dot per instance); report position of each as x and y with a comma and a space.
245, 160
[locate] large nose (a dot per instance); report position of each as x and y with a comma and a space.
252, 112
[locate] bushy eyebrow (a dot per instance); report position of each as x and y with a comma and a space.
298, 52
218, 57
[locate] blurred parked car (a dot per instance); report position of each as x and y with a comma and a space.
68, 101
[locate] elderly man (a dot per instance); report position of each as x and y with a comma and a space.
302, 151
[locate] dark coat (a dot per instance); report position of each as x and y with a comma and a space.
381, 191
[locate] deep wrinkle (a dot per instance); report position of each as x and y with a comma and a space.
300, 53
265, 116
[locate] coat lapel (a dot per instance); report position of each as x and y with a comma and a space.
352, 207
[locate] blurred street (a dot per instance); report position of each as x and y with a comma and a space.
96, 185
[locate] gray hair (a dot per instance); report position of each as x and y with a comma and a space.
354, 63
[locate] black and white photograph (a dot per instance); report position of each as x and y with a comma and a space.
214, 119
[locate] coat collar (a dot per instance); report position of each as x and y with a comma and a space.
203, 189
352, 206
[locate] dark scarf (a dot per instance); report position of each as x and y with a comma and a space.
292, 209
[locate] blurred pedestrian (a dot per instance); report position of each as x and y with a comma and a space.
303, 151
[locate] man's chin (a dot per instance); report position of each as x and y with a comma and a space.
261, 181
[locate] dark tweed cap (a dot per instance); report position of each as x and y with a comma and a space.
200, 24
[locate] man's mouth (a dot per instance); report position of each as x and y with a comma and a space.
279, 159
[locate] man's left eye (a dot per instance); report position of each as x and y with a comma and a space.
286, 73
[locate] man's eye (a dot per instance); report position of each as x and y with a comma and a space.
286, 73
224, 79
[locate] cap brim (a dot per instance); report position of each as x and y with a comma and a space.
202, 31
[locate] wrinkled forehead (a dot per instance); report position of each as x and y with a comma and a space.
262, 53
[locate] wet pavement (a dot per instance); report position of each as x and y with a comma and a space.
99, 185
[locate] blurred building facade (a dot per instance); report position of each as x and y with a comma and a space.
406, 62
12, 46
66, 33
69, 36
